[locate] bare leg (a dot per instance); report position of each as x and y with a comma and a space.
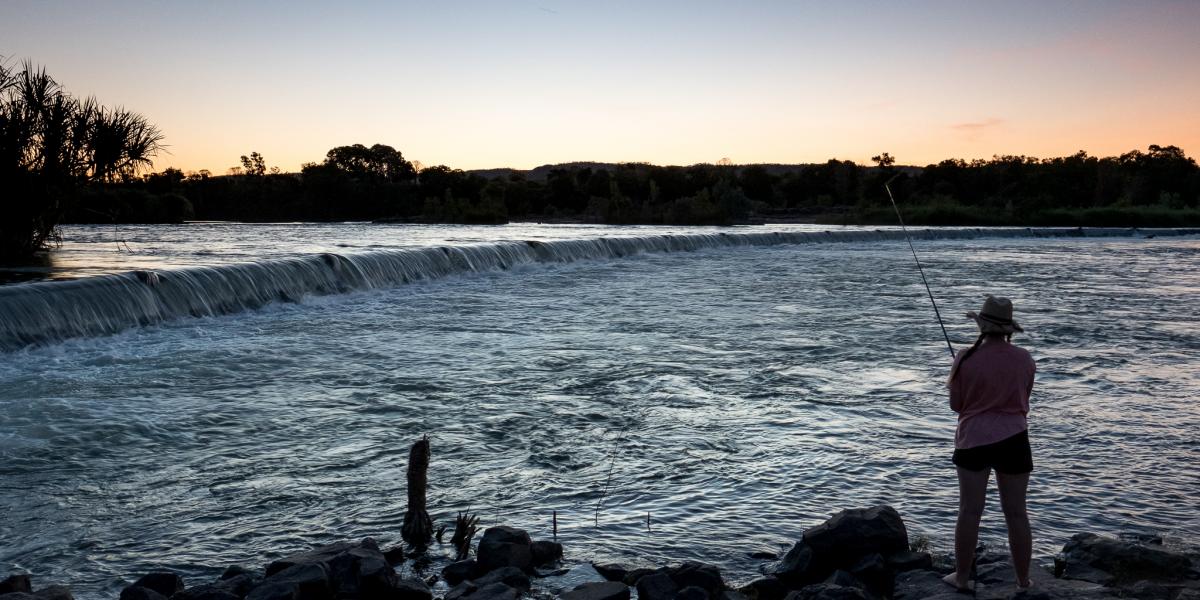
1020, 538
972, 491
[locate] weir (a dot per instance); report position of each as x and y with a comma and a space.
37, 313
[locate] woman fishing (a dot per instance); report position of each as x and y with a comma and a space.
990, 384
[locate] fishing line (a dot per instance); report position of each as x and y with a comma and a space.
887, 186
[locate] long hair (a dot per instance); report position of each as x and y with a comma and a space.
969, 351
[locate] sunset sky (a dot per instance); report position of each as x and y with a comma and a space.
524, 83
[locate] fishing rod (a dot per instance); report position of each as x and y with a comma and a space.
887, 186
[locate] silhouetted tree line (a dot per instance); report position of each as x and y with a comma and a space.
1157, 187
55, 147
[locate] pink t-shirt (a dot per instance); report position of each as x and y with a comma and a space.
990, 393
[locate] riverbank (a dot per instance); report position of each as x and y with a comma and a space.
858, 554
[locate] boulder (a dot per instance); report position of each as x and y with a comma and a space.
208, 591
608, 590
504, 547
611, 572
1122, 561
137, 592
16, 583
54, 592
692, 592
163, 582
732, 595
510, 576
238, 584
410, 589
352, 569
297, 582
694, 574
874, 572
633, 577
18, 596
319, 555
851, 534
656, 586
827, 591
796, 567
844, 579
766, 588
923, 585
545, 552
235, 571
394, 555
457, 572
494, 591
461, 591
908, 561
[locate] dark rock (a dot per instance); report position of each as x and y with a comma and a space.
608, 590
923, 585
55, 592
235, 571
827, 591
394, 555
297, 582
844, 579
510, 576
851, 534
163, 582
410, 589
352, 570
240, 584
1124, 561
796, 567
732, 595
763, 555
137, 592
16, 583
767, 588
633, 577
656, 586
210, 591
908, 561
545, 552
457, 572
875, 573
611, 572
504, 547
494, 591
461, 591
319, 555
692, 592
694, 574
374, 577
18, 596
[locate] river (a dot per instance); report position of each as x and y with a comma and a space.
732, 393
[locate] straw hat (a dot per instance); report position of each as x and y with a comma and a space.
995, 316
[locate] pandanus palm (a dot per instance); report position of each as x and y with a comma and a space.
51, 142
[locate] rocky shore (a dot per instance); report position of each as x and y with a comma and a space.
858, 554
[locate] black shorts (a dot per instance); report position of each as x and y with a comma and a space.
1011, 456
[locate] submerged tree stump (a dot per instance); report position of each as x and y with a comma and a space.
418, 528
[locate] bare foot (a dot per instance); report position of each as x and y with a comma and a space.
954, 581
1024, 587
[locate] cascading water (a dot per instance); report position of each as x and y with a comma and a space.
48, 311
